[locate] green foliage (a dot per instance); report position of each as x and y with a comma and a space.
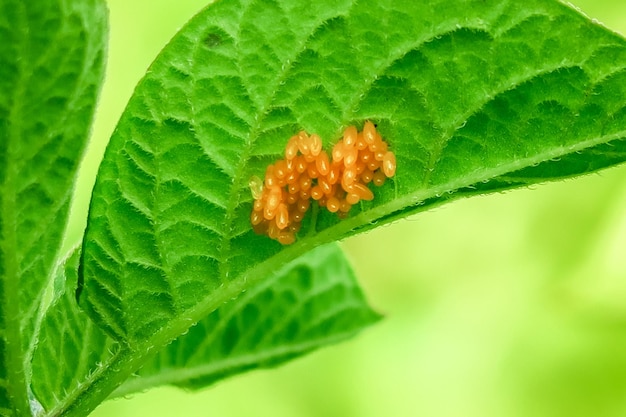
68, 335
472, 96
51, 69
486, 93
311, 302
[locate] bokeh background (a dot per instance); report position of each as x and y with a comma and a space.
511, 304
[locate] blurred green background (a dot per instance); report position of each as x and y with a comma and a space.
505, 305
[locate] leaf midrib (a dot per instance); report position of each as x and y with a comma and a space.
175, 376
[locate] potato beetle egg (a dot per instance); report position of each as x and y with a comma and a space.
282, 217
349, 136
270, 179
317, 192
352, 198
344, 206
360, 142
334, 174
304, 182
286, 238
350, 156
338, 151
322, 164
304, 143
369, 132
280, 169
316, 145
292, 148
335, 182
291, 199
362, 191
389, 164
256, 218
332, 204
367, 176
379, 178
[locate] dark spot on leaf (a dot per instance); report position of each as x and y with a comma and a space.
212, 40
216, 37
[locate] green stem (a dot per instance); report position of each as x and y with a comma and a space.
100, 383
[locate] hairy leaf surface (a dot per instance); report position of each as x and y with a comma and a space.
51, 68
72, 348
465, 93
313, 301
472, 96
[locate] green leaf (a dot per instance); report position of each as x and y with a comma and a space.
313, 301
51, 69
472, 96
78, 346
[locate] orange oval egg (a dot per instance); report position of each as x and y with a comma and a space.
291, 150
316, 145
301, 164
304, 143
270, 179
349, 176
389, 164
316, 192
350, 136
305, 182
325, 186
344, 206
256, 218
362, 191
303, 205
338, 151
312, 171
334, 174
280, 169
360, 142
369, 132
336, 182
322, 163
350, 156
352, 198
286, 237
282, 216
367, 176
291, 199
332, 204
379, 178
273, 198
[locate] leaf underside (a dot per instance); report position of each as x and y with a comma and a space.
80, 348
472, 97
311, 302
51, 68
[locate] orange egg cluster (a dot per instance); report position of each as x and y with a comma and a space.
307, 172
